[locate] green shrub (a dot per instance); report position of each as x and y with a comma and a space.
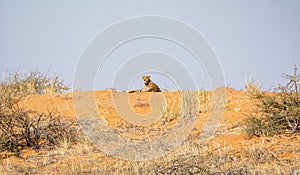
277, 112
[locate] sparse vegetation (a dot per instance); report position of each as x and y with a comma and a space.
33, 83
189, 158
21, 128
252, 87
205, 101
278, 112
34, 142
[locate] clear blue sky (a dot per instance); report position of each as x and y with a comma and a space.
247, 35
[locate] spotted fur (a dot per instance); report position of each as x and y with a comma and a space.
149, 86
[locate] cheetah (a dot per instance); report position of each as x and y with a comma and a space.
149, 86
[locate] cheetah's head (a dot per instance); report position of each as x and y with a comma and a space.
146, 79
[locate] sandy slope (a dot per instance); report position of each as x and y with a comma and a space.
230, 132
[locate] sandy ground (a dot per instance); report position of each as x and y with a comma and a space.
147, 109
230, 132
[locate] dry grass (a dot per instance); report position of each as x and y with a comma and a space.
189, 158
205, 101
255, 156
33, 83
252, 86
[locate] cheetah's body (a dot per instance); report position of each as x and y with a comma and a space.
149, 86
